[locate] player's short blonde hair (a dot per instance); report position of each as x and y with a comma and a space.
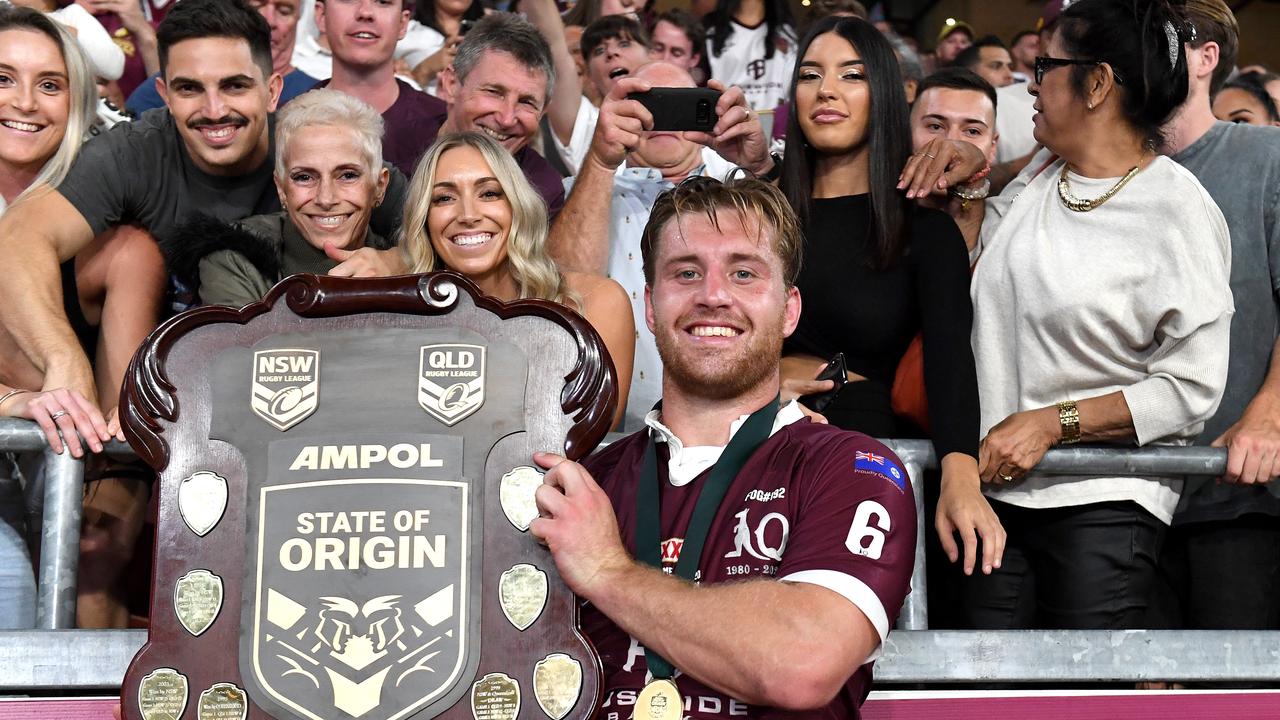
754, 201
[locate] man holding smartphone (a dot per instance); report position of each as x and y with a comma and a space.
625, 169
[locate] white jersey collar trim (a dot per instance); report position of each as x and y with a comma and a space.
686, 463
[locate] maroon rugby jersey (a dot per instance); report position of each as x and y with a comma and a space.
813, 503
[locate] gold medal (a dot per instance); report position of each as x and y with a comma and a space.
659, 700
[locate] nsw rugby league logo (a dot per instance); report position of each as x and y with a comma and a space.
451, 381
286, 386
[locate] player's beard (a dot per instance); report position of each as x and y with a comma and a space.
723, 374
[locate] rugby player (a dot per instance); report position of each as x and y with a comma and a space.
734, 554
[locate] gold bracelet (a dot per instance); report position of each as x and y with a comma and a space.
1069, 419
10, 394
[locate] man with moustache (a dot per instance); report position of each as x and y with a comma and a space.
791, 543
609, 201
209, 151
282, 17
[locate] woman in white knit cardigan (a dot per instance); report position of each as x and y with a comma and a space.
1102, 311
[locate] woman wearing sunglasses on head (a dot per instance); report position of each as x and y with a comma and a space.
1102, 311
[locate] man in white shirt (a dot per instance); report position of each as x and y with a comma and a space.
599, 228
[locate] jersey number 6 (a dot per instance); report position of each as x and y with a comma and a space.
866, 535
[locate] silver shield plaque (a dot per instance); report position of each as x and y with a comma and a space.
202, 499
516, 494
197, 600
286, 386
222, 701
522, 591
451, 380
162, 694
557, 683
495, 696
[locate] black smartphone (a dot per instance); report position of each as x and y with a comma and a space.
679, 108
835, 371
465, 26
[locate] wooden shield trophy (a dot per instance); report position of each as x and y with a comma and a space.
346, 487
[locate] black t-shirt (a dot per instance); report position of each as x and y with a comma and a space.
141, 172
872, 315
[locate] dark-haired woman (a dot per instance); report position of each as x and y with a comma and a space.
878, 269
751, 45
1244, 99
1102, 313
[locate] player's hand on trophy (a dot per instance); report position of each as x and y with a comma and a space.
578, 526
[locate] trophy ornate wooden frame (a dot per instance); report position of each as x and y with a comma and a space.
346, 486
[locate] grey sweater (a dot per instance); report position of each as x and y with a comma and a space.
1132, 296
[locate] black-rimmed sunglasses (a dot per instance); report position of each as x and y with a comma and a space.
1044, 64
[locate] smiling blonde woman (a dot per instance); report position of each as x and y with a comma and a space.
470, 209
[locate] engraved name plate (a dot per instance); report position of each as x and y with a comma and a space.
197, 600
495, 697
162, 694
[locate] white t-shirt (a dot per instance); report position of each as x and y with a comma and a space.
584, 126
105, 56
1014, 109
742, 63
1132, 296
419, 43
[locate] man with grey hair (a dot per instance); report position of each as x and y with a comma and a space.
500, 84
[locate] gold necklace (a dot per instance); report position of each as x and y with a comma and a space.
1075, 203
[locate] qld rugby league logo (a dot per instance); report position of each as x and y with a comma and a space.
286, 386
451, 381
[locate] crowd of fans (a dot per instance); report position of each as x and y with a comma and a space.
1072, 236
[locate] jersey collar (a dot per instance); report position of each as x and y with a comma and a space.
686, 463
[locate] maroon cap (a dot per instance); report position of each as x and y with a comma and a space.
1052, 10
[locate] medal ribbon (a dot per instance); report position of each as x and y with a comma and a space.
753, 432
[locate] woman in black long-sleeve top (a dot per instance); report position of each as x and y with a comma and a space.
878, 269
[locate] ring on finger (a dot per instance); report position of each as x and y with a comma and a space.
931, 157
1006, 478
60, 413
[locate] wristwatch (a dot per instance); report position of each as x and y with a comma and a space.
774, 172
1069, 419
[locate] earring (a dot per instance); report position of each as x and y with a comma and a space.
1090, 105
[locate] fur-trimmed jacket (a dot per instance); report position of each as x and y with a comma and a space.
237, 264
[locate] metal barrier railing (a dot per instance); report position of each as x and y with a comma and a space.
917, 456
82, 659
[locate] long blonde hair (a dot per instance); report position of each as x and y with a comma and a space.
82, 103
536, 275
